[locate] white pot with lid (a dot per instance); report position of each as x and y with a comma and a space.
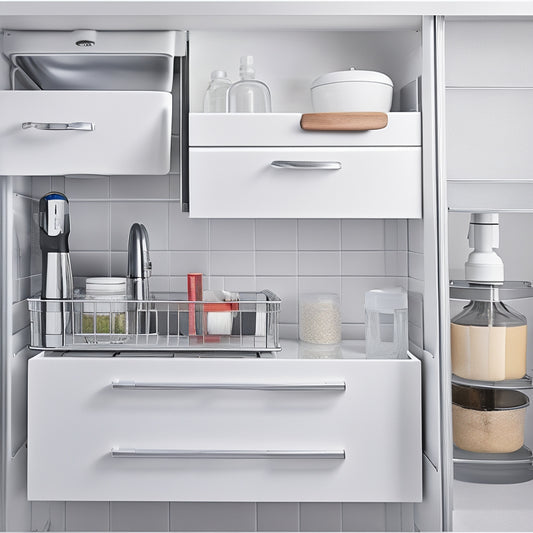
352, 90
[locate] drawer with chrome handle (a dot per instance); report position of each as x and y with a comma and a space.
197, 429
133, 385
227, 454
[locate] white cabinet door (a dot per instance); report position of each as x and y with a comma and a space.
361, 442
110, 132
363, 182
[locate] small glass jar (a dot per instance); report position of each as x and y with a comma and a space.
488, 342
386, 323
109, 315
320, 318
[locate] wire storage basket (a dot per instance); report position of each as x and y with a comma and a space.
250, 323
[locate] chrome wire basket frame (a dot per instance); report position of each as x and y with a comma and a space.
164, 323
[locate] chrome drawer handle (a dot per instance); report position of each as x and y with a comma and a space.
307, 165
59, 126
227, 454
133, 385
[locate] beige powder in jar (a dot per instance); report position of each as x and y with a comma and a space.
488, 353
488, 431
320, 319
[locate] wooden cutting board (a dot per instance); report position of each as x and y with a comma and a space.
361, 121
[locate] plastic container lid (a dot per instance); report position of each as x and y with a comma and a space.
352, 75
386, 300
218, 74
106, 285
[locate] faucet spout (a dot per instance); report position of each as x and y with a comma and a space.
139, 264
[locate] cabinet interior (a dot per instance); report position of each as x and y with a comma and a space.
289, 61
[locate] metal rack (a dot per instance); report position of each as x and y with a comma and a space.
508, 290
516, 384
493, 468
496, 468
164, 323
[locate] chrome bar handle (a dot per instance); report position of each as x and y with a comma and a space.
307, 165
59, 126
227, 454
133, 385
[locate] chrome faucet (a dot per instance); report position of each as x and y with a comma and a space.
139, 264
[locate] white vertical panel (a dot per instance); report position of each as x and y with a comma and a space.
485, 53
428, 514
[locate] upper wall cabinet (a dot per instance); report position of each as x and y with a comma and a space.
264, 165
87, 102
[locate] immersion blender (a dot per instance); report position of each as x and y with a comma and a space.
54, 223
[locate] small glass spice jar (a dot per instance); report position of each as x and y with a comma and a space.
104, 309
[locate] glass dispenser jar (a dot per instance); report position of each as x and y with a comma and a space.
488, 342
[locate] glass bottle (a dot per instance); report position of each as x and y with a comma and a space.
488, 342
249, 95
215, 95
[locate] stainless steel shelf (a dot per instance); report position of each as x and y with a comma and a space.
523, 383
495, 468
508, 290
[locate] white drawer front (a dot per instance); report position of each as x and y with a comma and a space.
131, 132
241, 182
76, 419
283, 129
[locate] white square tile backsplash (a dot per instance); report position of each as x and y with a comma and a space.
290, 257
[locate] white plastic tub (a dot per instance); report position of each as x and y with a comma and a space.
352, 90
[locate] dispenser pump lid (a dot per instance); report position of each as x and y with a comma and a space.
484, 265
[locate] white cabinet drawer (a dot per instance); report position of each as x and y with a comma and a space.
241, 182
283, 129
76, 418
130, 135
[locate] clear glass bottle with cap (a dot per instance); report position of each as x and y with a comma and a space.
488, 342
216, 93
386, 323
249, 95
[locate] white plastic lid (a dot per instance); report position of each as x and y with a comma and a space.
106, 285
386, 300
352, 75
219, 74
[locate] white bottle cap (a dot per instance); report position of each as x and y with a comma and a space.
217, 74
386, 300
247, 66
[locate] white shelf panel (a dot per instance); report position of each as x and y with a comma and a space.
484, 507
504, 196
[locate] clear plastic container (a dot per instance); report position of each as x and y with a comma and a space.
320, 318
216, 94
488, 342
386, 323
106, 317
488, 420
249, 95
